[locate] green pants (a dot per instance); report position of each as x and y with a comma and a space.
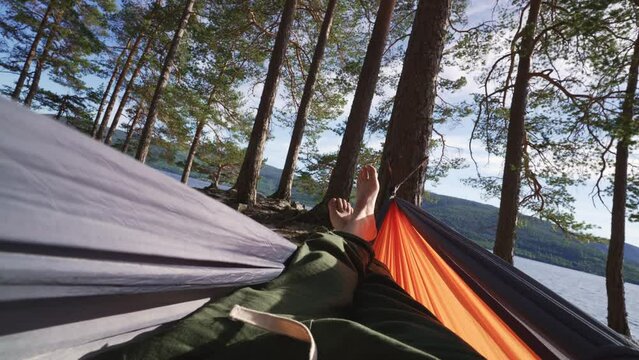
335, 287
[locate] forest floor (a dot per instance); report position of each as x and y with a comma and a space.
278, 215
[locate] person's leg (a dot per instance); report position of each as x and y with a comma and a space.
318, 283
322, 286
379, 303
383, 306
360, 220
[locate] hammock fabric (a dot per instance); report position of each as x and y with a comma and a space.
95, 246
500, 311
417, 268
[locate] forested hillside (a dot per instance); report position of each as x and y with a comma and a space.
536, 239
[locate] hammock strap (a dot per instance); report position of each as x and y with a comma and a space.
419, 166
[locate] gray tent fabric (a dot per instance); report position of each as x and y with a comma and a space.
88, 234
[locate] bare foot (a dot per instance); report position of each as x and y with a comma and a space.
359, 221
367, 189
340, 212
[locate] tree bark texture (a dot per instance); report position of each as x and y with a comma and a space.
617, 315
196, 138
216, 178
42, 59
246, 184
341, 180
24, 73
511, 180
411, 123
127, 91
167, 68
192, 150
105, 95
116, 88
286, 180
129, 134
61, 109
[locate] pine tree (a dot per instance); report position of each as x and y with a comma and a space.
72, 31
167, 68
116, 88
132, 125
129, 89
107, 90
42, 58
617, 315
623, 131
572, 118
545, 150
511, 181
286, 180
246, 184
609, 31
341, 179
224, 46
407, 142
40, 32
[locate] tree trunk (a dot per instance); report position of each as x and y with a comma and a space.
511, 181
246, 184
192, 150
129, 134
341, 180
61, 109
116, 88
32, 53
286, 180
411, 123
617, 315
105, 95
35, 82
167, 68
218, 175
127, 91
196, 137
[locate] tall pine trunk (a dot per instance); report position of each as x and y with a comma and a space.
129, 134
42, 59
24, 73
617, 315
341, 180
217, 176
246, 184
61, 109
105, 95
411, 123
194, 144
511, 181
167, 68
116, 88
196, 137
286, 180
127, 91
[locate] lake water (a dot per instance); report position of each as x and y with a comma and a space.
196, 183
586, 291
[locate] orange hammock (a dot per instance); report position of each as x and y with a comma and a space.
497, 309
418, 269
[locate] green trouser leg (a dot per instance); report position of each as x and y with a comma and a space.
336, 288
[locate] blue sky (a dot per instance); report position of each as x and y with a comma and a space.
456, 137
